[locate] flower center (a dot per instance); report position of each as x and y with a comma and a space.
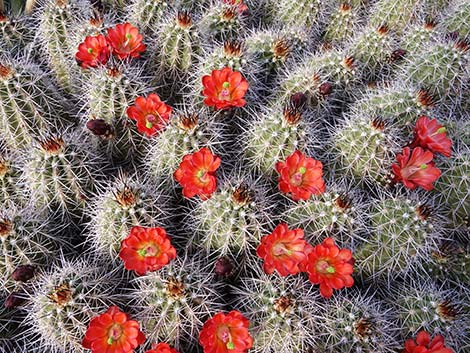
150, 119
148, 251
225, 336
280, 249
324, 267
90, 50
114, 333
202, 175
225, 92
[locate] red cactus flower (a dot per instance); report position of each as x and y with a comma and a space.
150, 113
283, 250
162, 348
93, 51
224, 89
146, 249
226, 333
431, 135
196, 173
241, 7
415, 168
113, 332
330, 266
126, 41
300, 176
424, 344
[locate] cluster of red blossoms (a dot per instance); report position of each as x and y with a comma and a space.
123, 41
424, 344
415, 167
146, 249
150, 113
286, 252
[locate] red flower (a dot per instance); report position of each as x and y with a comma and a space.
415, 168
162, 348
93, 51
146, 249
429, 134
196, 173
126, 41
150, 113
225, 333
425, 345
113, 332
330, 266
239, 3
224, 89
283, 250
301, 176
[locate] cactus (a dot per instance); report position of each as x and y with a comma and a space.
62, 302
25, 239
173, 303
296, 13
270, 50
22, 116
59, 174
55, 33
178, 45
364, 148
458, 20
372, 48
357, 322
453, 187
423, 305
186, 133
342, 24
232, 221
331, 212
403, 235
147, 13
125, 203
10, 191
450, 261
281, 312
418, 36
14, 33
441, 69
110, 91
394, 14
221, 20
397, 103
275, 136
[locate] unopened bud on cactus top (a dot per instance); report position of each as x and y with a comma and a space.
223, 267
100, 127
23, 273
14, 300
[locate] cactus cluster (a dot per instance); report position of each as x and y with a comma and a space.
234, 176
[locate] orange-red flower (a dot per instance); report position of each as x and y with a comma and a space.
330, 266
283, 250
431, 135
146, 249
196, 173
150, 113
241, 7
162, 348
113, 332
93, 51
424, 344
415, 168
224, 89
126, 41
226, 333
300, 176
